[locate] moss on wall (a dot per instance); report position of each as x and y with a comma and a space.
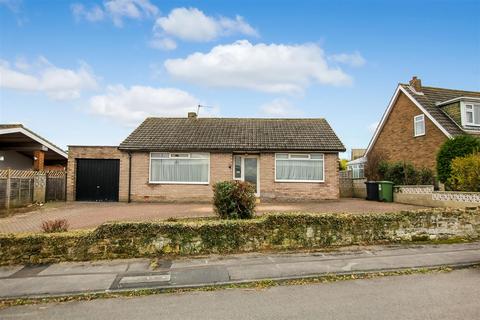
270, 232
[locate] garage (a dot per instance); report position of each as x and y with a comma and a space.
97, 179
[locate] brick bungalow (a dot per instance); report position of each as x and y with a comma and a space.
420, 119
179, 159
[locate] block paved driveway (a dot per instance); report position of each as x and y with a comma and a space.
85, 215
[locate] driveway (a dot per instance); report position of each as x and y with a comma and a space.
84, 215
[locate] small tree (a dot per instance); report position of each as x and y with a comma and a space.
234, 199
457, 147
465, 173
373, 166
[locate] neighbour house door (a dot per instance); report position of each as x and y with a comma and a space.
247, 169
97, 179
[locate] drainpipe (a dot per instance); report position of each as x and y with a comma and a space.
129, 175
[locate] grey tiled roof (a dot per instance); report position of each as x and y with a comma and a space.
432, 96
232, 134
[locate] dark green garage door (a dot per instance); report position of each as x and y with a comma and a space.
97, 179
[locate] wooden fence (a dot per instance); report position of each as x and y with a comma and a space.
22, 187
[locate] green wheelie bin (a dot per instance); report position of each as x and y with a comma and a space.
385, 191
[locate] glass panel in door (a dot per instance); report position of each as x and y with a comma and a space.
250, 175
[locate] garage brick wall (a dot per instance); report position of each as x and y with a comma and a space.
96, 152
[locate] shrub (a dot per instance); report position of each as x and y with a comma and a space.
57, 225
402, 173
465, 173
457, 147
234, 199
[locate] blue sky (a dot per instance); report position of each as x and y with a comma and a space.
87, 72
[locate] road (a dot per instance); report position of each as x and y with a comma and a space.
454, 295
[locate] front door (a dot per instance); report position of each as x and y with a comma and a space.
247, 169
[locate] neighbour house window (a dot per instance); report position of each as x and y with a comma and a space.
188, 168
419, 125
299, 167
472, 114
358, 170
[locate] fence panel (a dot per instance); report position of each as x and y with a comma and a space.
22, 187
56, 184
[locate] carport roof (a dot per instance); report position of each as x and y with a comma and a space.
17, 137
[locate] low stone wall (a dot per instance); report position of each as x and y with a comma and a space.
426, 196
270, 232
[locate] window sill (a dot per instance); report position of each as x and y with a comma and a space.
179, 183
300, 181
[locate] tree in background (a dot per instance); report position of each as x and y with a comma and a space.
374, 161
457, 147
342, 164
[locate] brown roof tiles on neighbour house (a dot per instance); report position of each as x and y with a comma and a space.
430, 98
233, 134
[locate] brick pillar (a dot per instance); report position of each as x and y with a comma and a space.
39, 160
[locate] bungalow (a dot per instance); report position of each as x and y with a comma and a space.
419, 119
179, 159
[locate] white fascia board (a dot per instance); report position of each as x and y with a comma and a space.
36, 138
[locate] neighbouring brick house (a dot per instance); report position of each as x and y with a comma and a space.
420, 119
179, 159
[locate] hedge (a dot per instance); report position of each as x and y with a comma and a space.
269, 232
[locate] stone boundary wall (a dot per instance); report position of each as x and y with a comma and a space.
270, 232
426, 196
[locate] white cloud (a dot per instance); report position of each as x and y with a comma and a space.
191, 24
94, 14
116, 10
353, 59
163, 43
274, 68
57, 83
373, 126
131, 105
279, 108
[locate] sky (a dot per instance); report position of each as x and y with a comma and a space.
88, 72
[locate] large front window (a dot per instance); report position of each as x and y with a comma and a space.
299, 167
188, 168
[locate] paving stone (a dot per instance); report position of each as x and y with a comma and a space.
54, 284
145, 279
68, 268
7, 271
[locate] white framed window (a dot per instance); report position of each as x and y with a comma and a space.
358, 170
472, 114
419, 125
299, 167
179, 168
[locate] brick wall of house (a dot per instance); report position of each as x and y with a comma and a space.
220, 170
298, 191
397, 142
96, 152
